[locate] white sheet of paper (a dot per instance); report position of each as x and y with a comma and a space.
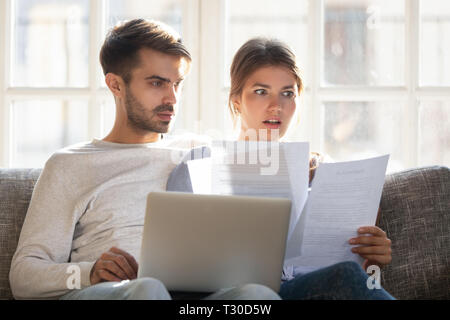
344, 196
200, 172
298, 167
262, 169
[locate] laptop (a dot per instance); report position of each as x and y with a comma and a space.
203, 243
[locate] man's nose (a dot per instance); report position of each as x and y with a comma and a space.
171, 96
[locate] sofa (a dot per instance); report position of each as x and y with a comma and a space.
415, 213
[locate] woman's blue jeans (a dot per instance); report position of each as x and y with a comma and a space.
342, 281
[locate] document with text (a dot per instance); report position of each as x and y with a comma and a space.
268, 169
344, 196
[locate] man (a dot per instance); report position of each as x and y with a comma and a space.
83, 229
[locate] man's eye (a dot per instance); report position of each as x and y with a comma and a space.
260, 91
156, 83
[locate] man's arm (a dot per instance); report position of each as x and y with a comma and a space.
40, 268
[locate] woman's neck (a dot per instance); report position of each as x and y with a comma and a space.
253, 135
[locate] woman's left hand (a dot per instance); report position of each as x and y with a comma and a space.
376, 247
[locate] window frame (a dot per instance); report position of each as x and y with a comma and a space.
410, 95
205, 25
94, 93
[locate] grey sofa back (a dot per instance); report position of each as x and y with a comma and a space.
16, 187
415, 213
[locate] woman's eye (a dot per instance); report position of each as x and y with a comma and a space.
260, 91
157, 83
288, 94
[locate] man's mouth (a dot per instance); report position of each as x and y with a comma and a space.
165, 116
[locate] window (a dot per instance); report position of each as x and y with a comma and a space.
65, 121
377, 72
434, 43
50, 36
52, 87
358, 38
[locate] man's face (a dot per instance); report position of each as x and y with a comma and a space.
152, 94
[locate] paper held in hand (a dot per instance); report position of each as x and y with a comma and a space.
344, 196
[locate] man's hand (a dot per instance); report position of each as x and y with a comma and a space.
375, 249
114, 265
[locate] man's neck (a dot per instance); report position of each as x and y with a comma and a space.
133, 139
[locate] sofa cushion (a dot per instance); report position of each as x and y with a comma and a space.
415, 213
16, 187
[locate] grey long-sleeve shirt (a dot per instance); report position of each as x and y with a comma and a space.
88, 198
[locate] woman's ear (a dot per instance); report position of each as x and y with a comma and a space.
236, 100
115, 84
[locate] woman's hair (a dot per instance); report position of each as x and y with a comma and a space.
119, 53
255, 54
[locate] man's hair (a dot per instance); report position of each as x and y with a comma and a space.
257, 53
119, 53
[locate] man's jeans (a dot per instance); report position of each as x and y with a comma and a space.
153, 289
341, 281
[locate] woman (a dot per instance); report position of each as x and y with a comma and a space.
265, 84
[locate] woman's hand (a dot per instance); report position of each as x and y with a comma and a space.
375, 246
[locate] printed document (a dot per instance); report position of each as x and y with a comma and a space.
264, 169
344, 196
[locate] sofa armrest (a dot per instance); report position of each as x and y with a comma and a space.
415, 213
16, 188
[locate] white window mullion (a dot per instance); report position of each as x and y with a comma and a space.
411, 108
211, 55
433, 93
5, 45
95, 31
355, 93
315, 62
187, 119
39, 93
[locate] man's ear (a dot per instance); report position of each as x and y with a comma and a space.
116, 84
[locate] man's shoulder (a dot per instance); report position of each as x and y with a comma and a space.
66, 155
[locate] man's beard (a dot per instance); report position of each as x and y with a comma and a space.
141, 119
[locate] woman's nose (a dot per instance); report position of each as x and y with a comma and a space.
275, 105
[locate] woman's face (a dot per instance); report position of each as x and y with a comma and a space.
268, 102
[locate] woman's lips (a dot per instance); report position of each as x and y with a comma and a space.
274, 124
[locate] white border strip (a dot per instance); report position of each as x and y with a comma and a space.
316, 8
